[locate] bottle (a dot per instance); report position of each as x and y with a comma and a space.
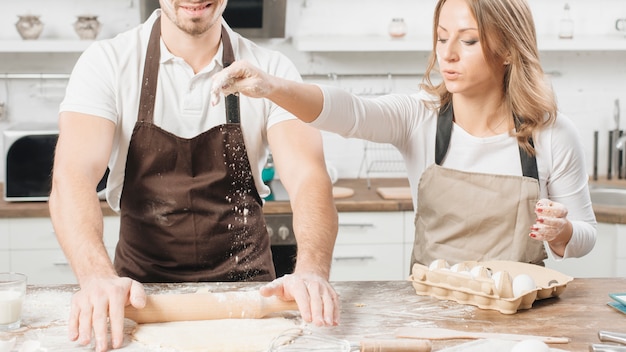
397, 28
566, 28
268, 170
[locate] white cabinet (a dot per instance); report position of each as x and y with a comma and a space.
5, 259
607, 259
34, 250
409, 239
370, 246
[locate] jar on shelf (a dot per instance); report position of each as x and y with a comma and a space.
29, 26
397, 28
87, 27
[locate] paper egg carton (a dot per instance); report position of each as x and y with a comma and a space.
489, 284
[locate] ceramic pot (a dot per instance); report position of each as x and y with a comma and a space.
397, 28
87, 27
29, 26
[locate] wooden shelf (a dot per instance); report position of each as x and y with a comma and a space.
44, 46
373, 43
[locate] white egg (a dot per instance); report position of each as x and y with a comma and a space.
438, 264
477, 271
530, 346
522, 284
497, 277
457, 268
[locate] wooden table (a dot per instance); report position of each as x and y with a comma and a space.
377, 309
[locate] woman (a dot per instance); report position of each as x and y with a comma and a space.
496, 171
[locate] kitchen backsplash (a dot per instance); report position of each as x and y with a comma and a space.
586, 82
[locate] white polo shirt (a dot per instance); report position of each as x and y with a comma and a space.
106, 82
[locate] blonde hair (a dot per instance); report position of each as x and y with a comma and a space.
507, 33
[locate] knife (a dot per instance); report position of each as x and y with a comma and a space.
207, 306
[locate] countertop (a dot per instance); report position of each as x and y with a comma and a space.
364, 199
375, 309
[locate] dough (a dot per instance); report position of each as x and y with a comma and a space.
233, 335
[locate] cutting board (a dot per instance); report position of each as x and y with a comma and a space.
394, 192
342, 192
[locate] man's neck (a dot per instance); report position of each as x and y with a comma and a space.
197, 51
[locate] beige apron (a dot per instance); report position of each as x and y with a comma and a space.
465, 216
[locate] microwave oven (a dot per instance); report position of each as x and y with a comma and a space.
250, 18
29, 156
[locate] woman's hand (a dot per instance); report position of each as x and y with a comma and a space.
240, 77
552, 225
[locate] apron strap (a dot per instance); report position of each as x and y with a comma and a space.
529, 162
150, 74
444, 133
232, 100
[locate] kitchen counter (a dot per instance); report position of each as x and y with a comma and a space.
364, 199
375, 309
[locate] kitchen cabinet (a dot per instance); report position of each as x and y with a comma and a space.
370, 246
606, 259
33, 249
5, 262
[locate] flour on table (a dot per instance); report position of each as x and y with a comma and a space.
233, 335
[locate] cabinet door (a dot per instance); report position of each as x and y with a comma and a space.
5, 260
32, 233
370, 228
620, 264
111, 233
43, 266
600, 262
4, 234
367, 262
369, 247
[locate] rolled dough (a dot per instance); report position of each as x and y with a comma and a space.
233, 335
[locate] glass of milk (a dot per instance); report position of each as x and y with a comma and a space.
12, 292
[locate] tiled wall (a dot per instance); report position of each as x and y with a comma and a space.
586, 83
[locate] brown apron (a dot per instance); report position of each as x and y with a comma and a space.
464, 216
190, 210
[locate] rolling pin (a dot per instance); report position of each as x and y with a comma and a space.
207, 306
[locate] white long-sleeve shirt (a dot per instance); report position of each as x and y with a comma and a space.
407, 123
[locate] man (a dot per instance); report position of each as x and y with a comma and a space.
184, 175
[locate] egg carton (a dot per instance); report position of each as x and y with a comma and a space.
489, 284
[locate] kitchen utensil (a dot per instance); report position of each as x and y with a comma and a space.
206, 306
609, 336
394, 192
342, 192
598, 347
447, 334
294, 340
620, 25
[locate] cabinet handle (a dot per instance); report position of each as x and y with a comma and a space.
356, 225
360, 258
61, 264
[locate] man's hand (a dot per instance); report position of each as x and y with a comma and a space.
100, 299
317, 300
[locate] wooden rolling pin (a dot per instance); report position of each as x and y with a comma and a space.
396, 345
447, 334
207, 306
